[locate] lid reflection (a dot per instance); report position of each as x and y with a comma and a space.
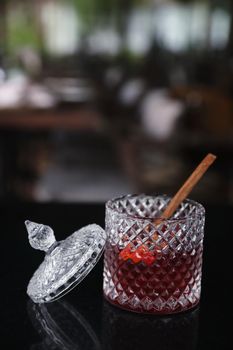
124, 330
62, 327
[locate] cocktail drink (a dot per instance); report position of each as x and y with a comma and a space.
153, 265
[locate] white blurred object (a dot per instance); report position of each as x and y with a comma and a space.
160, 113
39, 97
139, 31
19, 92
131, 91
104, 41
61, 27
11, 92
220, 28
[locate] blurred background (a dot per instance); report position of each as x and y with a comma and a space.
100, 98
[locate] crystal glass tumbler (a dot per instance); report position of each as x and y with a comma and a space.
149, 266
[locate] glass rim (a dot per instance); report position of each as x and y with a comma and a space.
199, 206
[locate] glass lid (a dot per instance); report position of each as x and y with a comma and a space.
66, 262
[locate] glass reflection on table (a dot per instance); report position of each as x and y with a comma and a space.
123, 330
62, 327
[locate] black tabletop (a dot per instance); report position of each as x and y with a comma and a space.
82, 319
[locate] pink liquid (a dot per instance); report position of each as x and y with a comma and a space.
171, 284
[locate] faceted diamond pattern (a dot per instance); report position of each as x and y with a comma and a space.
173, 282
66, 263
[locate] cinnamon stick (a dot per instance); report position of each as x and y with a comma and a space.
187, 187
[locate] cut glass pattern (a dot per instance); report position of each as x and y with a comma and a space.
66, 262
172, 283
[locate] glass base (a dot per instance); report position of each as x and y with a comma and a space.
154, 312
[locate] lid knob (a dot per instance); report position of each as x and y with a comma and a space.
40, 236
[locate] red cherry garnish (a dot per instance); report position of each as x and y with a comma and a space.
142, 253
142, 249
125, 254
136, 257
